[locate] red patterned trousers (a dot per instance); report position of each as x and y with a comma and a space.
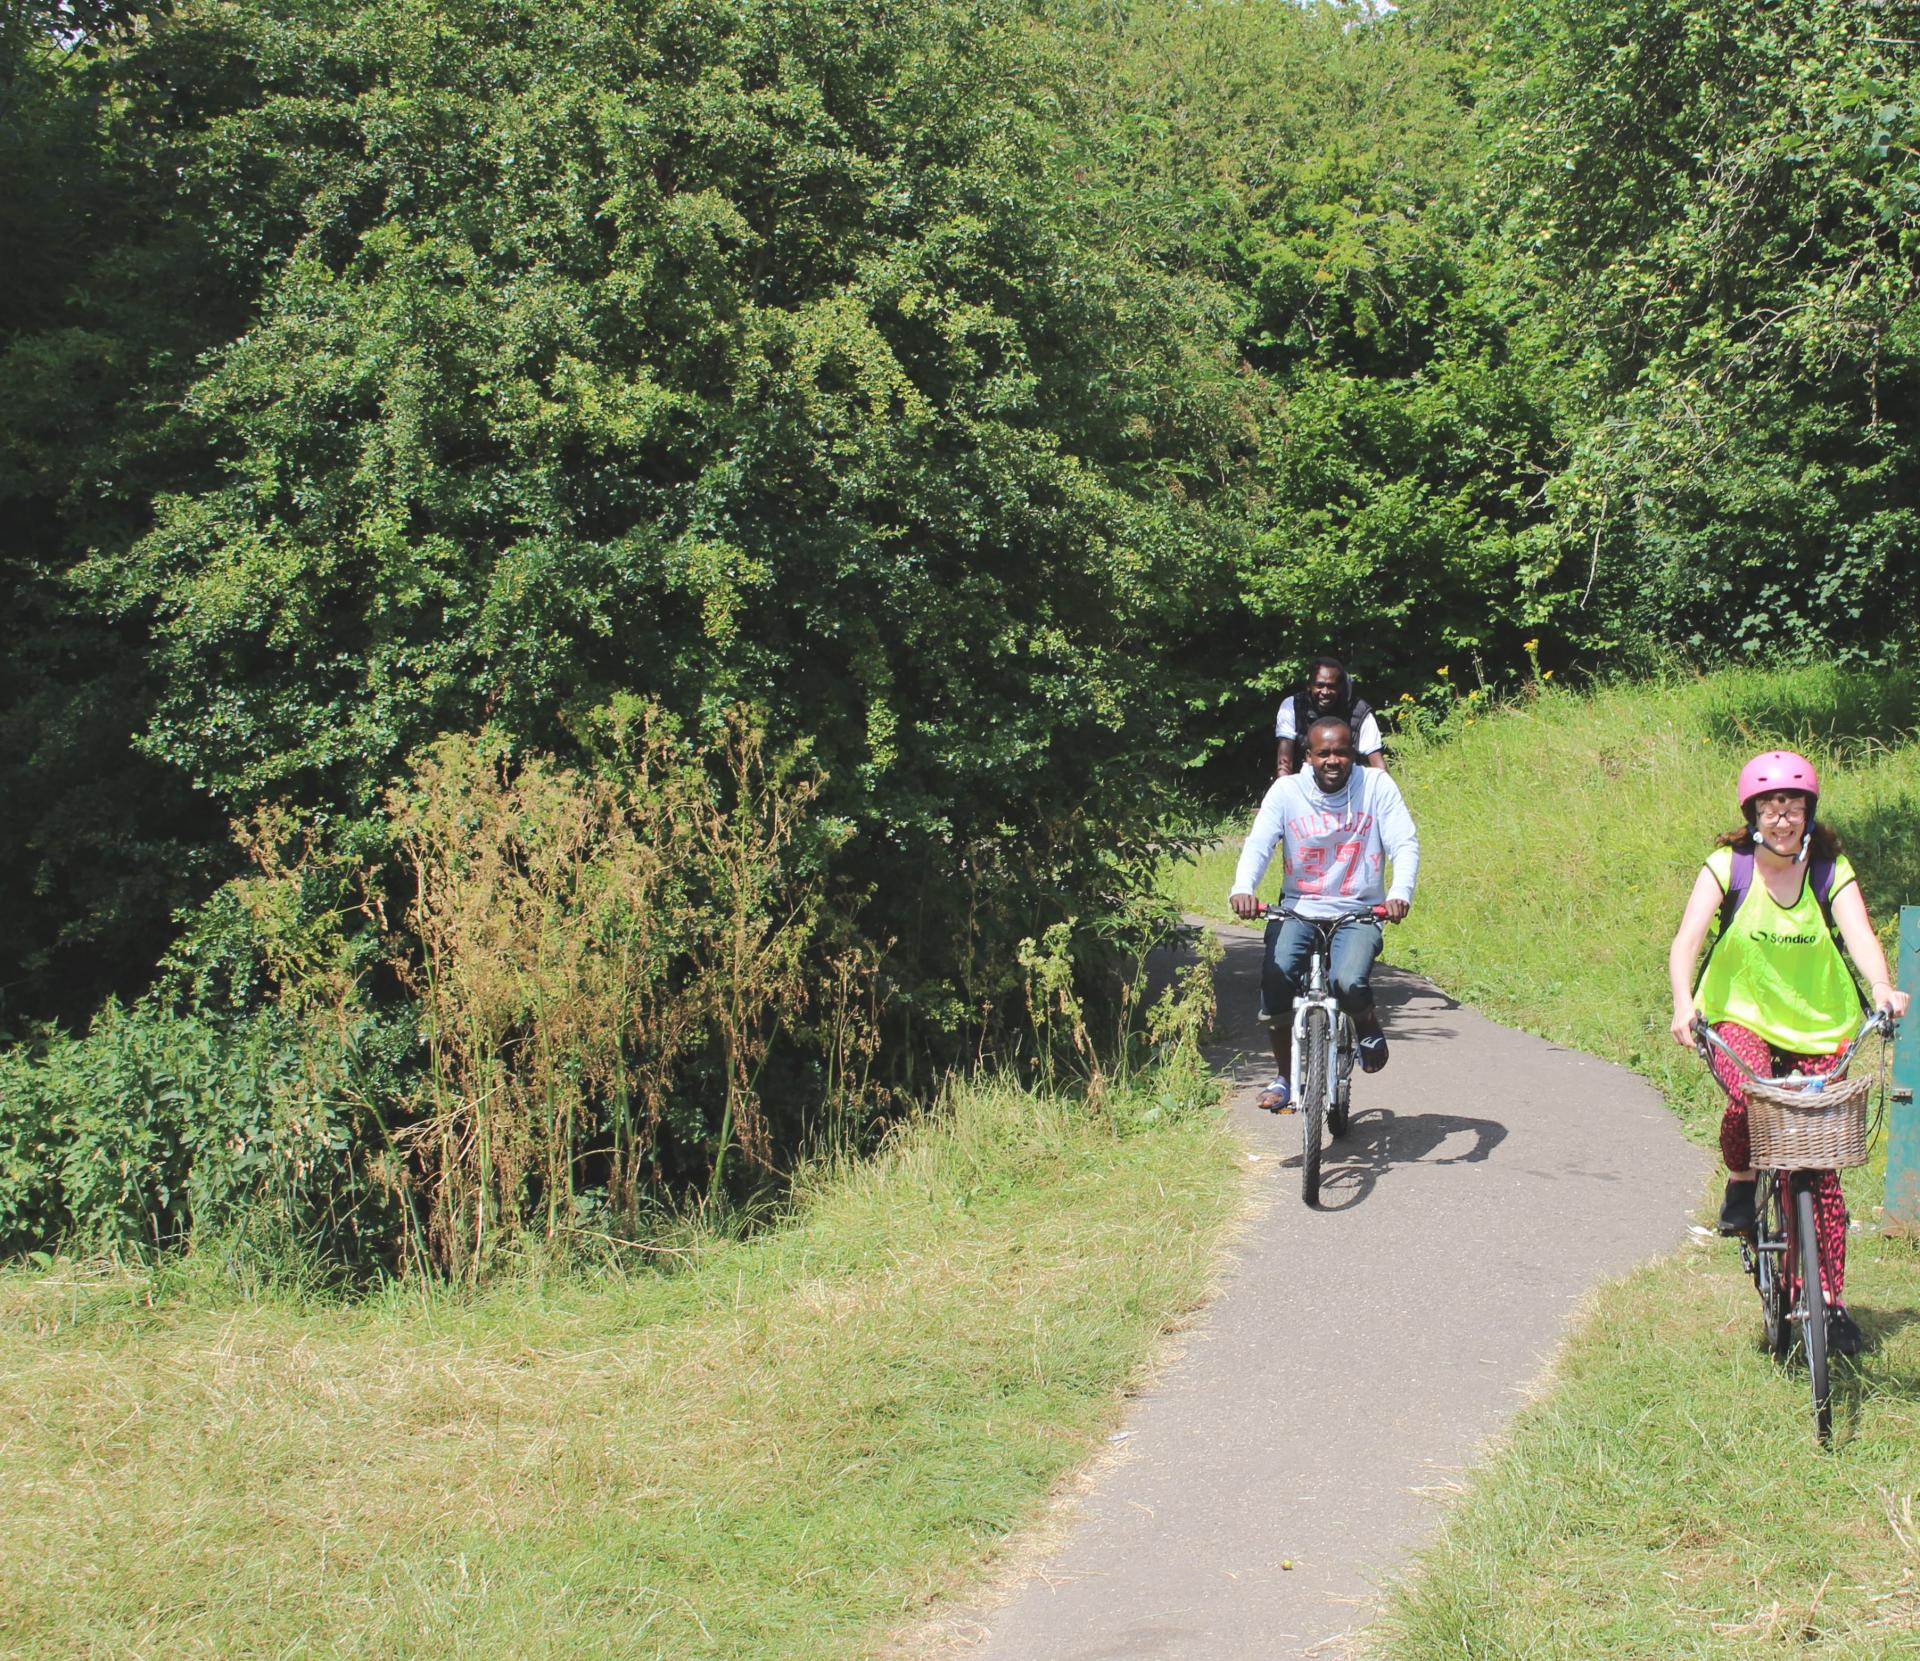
1829, 1207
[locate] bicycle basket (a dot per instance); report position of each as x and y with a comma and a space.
1809, 1130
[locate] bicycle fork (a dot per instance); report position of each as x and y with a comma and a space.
1315, 996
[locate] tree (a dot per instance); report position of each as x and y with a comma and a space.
708, 353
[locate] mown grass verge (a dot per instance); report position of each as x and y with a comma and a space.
778, 1447
1663, 1498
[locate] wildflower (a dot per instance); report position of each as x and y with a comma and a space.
1530, 645
1406, 697
1442, 671
1547, 676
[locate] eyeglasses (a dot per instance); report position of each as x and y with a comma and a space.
1778, 812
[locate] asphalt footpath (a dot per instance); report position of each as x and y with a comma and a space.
1359, 1354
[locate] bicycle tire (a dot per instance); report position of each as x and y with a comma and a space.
1813, 1329
1315, 1042
1340, 1093
1772, 1273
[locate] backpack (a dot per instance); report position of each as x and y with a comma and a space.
1303, 716
1740, 879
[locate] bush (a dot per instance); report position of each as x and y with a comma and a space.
157, 1128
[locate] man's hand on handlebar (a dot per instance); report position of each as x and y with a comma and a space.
1394, 911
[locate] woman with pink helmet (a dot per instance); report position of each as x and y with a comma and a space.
1774, 985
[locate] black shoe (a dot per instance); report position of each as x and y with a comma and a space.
1843, 1332
1736, 1210
1373, 1053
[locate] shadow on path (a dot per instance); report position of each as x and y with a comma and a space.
1379, 1139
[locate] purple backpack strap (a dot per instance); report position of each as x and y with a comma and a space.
1739, 880
1820, 874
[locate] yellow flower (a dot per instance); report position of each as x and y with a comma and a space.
1442, 671
1470, 720
1547, 676
1406, 697
1530, 646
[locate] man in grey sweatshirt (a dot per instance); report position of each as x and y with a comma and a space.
1338, 826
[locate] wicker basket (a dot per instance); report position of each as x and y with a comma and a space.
1809, 1130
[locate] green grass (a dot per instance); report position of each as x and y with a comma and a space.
1665, 1499
780, 1447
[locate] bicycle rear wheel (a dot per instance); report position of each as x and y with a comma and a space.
1814, 1302
1315, 1043
1340, 1084
1772, 1273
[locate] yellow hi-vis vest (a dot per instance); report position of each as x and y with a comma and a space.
1777, 970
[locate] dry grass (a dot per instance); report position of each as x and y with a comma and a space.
782, 1450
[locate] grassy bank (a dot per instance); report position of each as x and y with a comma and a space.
780, 1447
1663, 1498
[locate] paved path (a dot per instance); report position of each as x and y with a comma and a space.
1359, 1354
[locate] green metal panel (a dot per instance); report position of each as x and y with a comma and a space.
1903, 1113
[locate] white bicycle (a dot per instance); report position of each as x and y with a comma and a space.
1324, 1048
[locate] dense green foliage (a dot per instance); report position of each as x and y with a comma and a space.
160, 1126
998, 401
1721, 214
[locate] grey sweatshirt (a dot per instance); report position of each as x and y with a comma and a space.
1336, 847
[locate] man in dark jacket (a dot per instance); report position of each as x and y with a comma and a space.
1327, 690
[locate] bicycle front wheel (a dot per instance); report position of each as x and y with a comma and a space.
1814, 1302
1772, 1273
1316, 1044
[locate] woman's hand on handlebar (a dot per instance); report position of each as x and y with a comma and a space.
1681, 1026
1890, 998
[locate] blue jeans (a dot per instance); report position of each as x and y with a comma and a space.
1284, 966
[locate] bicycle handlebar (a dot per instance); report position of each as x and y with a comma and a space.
1879, 1020
1378, 913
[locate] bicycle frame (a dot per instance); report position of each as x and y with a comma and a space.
1323, 1047
1317, 993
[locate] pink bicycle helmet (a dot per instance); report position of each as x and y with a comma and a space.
1779, 770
